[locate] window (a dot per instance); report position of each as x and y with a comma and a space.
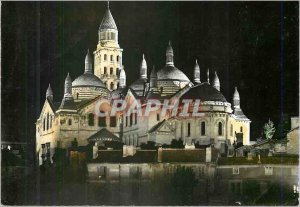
77, 95
91, 119
241, 129
113, 121
51, 119
126, 120
131, 119
47, 121
111, 58
70, 122
135, 118
111, 71
105, 57
231, 130
203, 128
44, 124
117, 58
157, 117
102, 121
268, 170
111, 85
220, 129
235, 171
189, 129
105, 70
48, 150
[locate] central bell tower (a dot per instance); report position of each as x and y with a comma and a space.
108, 55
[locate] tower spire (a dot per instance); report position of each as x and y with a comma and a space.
49, 93
153, 78
88, 63
197, 73
216, 82
169, 55
68, 87
236, 99
143, 68
122, 78
107, 4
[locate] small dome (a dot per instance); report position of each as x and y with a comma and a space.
204, 92
171, 73
88, 79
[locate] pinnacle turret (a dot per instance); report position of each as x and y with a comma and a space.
197, 73
216, 82
143, 68
169, 55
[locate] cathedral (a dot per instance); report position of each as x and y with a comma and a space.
218, 123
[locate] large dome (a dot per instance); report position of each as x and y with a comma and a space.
204, 92
171, 73
88, 79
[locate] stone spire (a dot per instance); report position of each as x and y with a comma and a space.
143, 68
122, 78
197, 73
108, 21
169, 55
236, 99
68, 101
216, 82
88, 63
49, 93
207, 74
68, 86
153, 78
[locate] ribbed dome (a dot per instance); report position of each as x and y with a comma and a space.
108, 21
171, 73
88, 79
204, 92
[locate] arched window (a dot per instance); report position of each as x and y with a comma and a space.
131, 119
113, 121
111, 85
117, 58
231, 130
189, 129
51, 121
70, 122
77, 95
135, 118
91, 119
203, 128
47, 121
157, 117
241, 129
105, 57
105, 70
118, 72
111, 58
102, 121
44, 124
111, 71
126, 120
220, 129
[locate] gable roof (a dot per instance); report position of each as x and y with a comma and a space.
104, 135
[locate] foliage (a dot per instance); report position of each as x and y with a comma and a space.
269, 129
149, 146
178, 144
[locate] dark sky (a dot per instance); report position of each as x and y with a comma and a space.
41, 42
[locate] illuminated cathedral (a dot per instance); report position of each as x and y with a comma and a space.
104, 77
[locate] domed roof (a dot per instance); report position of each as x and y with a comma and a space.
171, 73
88, 79
204, 92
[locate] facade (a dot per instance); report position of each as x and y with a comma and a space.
293, 137
59, 123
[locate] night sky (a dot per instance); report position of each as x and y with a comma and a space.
42, 42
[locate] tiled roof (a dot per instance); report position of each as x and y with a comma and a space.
108, 21
204, 92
